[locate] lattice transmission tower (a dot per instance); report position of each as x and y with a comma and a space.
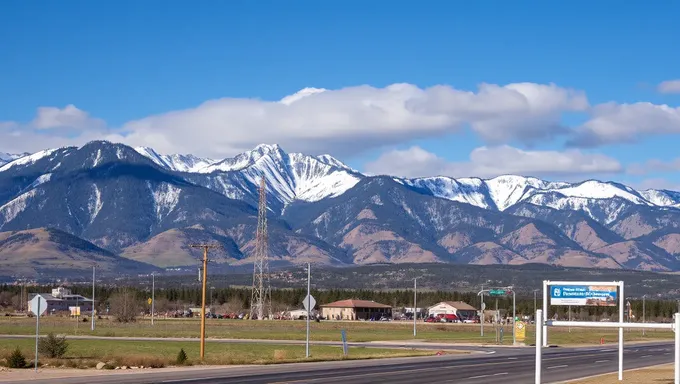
261, 302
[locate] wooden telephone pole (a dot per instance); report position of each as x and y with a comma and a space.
205, 275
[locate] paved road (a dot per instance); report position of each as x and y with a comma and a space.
504, 365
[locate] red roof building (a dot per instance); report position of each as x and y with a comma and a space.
356, 310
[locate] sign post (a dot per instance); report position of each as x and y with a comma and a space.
344, 342
38, 307
584, 293
309, 302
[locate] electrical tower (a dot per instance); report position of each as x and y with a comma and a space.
261, 302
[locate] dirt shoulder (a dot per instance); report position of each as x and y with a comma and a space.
660, 374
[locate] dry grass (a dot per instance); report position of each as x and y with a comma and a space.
654, 375
323, 331
87, 353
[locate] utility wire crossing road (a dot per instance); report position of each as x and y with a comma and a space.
504, 365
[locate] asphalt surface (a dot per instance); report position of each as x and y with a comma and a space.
500, 365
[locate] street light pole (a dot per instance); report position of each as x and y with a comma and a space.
415, 306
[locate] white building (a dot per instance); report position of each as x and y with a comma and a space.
458, 308
62, 300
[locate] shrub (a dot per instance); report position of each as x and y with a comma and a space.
16, 359
182, 357
52, 346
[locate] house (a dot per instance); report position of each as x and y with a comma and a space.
355, 310
62, 300
458, 308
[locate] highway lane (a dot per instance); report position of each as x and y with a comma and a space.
506, 365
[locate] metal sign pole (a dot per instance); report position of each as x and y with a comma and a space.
677, 348
545, 312
621, 331
482, 316
309, 310
539, 337
415, 306
514, 332
93, 280
37, 332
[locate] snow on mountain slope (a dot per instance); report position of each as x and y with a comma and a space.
508, 190
176, 162
9, 157
27, 159
296, 176
469, 190
662, 198
289, 176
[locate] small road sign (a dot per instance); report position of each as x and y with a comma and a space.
309, 303
149, 301
38, 305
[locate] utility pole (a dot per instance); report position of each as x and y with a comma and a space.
93, 279
415, 305
153, 294
205, 248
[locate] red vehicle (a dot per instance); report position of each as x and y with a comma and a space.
449, 318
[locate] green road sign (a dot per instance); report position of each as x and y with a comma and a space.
497, 292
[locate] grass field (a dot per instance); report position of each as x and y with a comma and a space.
658, 375
87, 353
322, 331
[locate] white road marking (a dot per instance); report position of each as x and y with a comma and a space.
558, 366
512, 358
601, 361
483, 376
647, 356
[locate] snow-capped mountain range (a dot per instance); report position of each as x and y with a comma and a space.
135, 201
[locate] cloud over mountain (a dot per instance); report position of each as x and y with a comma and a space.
492, 161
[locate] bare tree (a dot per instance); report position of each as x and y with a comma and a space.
6, 299
125, 306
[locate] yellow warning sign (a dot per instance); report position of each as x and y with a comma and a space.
149, 301
520, 330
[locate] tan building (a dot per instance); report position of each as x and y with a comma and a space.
355, 310
458, 308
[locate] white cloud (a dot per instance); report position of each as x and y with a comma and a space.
352, 119
53, 127
656, 183
654, 166
492, 161
621, 123
67, 117
670, 86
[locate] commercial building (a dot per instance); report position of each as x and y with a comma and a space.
355, 310
458, 308
62, 300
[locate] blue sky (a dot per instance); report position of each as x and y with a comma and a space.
120, 63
